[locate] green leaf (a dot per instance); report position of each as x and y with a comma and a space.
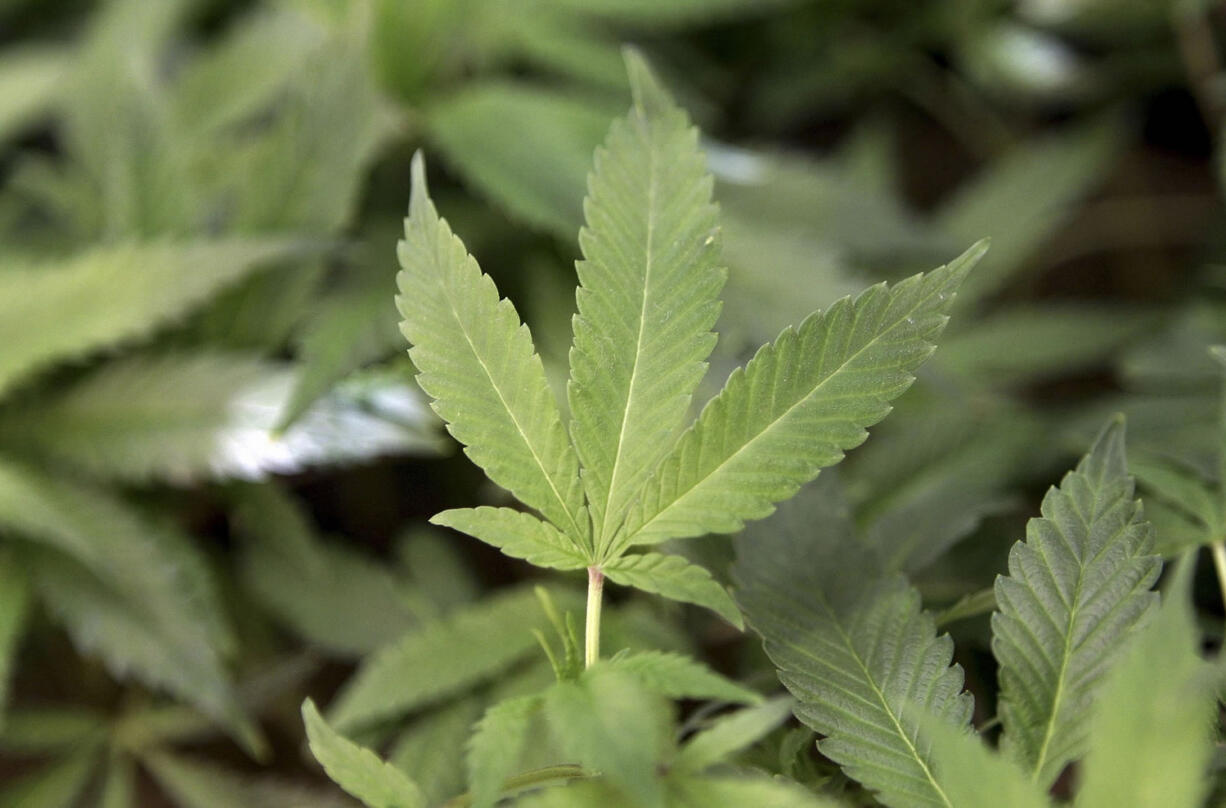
731, 733
679, 677
357, 769
517, 534
135, 641
51, 730
190, 416
431, 749
974, 775
797, 406
348, 328
476, 359
440, 658
119, 785
1151, 735
674, 577
855, 649
201, 784
14, 606
310, 585
144, 286
1020, 200
1181, 488
496, 746
1075, 588
57, 785
528, 149
29, 77
611, 724
151, 565
647, 299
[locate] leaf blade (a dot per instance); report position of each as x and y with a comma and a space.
674, 578
1075, 588
517, 534
477, 361
648, 296
357, 769
796, 407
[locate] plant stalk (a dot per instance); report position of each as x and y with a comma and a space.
591, 632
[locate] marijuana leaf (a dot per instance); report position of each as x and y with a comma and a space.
357, 769
1075, 588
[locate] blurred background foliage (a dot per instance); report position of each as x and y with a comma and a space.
215, 467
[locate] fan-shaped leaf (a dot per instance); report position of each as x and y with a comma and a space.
58, 785
796, 407
49, 313
674, 577
855, 649
648, 296
1076, 586
518, 534
476, 359
974, 775
357, 769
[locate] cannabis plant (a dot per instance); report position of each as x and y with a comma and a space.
625, 477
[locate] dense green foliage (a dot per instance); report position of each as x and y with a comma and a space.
841, 554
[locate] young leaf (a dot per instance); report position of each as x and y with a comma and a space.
476, 359
357, 769
440, 658
648, 296
612, 725
144, 286
855, 649
731, 733
798, 405
1151, 732
675, 578
496, 745
973, 775
518, 534
679, 677
1075, 588
14, 605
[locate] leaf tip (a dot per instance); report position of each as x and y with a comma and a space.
419, 193
645, 89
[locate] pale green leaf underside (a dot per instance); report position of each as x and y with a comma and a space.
518, 534
1151, 732
648, 296
1075, 588
496, 745
144, 286
862, 659
798, 405
477, 360
357, 769
680, 677
675, 578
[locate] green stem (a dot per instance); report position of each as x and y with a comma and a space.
591, 634
1219, 562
